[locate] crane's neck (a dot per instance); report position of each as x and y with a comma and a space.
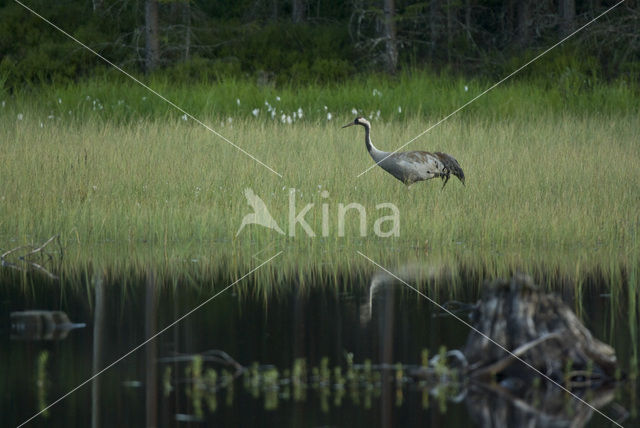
376, 154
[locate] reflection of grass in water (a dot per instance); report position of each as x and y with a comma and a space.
364, 383
554, 195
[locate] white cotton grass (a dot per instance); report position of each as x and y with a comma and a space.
274, 109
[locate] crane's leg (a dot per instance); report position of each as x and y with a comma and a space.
408, 182
445, 177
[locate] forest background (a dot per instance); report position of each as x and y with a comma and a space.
284, 42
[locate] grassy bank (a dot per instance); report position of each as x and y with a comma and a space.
114, 98
552, 183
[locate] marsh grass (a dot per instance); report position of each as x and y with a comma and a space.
113, 98
552, 179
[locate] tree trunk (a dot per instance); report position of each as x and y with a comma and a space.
567, 12
97, 5
507, 22
297, 12
152, 49
450, 25
151, 351
186, 18
434, 21
467, 15
594, 7
538, 328
522, 15
98, 350
391, 57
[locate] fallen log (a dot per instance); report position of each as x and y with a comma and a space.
41, 325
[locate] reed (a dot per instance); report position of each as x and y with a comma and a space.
552, 178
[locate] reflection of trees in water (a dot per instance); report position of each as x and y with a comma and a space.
98, 348
193, 386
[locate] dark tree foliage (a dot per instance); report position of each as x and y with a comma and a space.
301, 41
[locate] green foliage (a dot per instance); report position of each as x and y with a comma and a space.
199, 69
249, 39
33, 52
293, 53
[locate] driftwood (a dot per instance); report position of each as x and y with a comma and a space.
41, 325
540, 329
33, 257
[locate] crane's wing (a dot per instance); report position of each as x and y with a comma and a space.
410, 167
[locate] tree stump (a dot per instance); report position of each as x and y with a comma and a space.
540, 329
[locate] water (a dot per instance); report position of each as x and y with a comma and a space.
159, 384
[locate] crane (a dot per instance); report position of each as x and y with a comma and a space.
410, 167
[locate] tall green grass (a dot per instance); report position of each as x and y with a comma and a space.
114, 98
552, 178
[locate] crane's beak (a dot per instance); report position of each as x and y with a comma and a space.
348, 125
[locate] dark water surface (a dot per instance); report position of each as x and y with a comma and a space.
325, 325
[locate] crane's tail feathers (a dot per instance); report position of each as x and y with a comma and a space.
452, 165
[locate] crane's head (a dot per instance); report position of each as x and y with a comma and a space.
359, 121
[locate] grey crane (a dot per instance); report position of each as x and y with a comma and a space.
410, 167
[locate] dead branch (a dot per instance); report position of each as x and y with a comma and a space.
33, 258
502, 364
